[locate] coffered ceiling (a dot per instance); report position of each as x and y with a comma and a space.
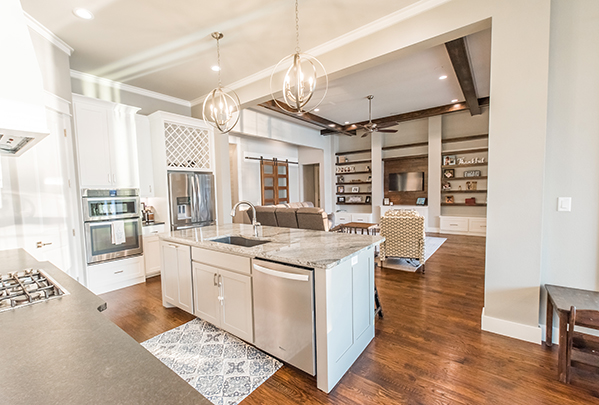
166, 47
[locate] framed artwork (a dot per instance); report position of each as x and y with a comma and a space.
367, 199
421, 201
340, 189
449, 199
449, 173
355, 189
470, 201
446, 185
449, 160
354, 199
340, 179
472, 173
340, 199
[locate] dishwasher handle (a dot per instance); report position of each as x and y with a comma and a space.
282, 274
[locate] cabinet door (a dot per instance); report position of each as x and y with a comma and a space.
152, 255
236, 308
185, 287
123, 149
144, 156
206, 293
92, 126
170, 273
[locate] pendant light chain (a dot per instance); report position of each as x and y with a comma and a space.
218, 60
297, 46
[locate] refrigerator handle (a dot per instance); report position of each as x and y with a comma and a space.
193, 193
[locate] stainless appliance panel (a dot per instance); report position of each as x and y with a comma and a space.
180, 199
98, 241
191, 199
108, 208
284, 313
205, 212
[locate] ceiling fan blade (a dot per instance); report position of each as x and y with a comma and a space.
387, 131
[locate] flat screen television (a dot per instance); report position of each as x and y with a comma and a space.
406, 181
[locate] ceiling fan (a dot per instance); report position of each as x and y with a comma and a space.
371, 127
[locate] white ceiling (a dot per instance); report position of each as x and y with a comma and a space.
166, 47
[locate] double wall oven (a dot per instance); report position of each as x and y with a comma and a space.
112, 224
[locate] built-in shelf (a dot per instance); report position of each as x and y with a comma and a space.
406, 157
466, 165
346, 173
356, 182
462, 191
355, 162
350, 193
352, 203
407, 145
465, 138
465, 178
353, 152
464, 204
464, 151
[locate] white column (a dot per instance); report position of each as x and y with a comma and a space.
377, 175
222, 174
434, 172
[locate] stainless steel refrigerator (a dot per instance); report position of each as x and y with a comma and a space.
191, 199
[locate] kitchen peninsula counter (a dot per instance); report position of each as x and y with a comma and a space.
302, 247
65, 351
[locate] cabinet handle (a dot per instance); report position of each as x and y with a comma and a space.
221, 298
109, 180
150, 188
173, 246
214, 279
114, 178
117, 272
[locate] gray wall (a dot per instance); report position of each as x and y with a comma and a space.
571, 239
147, 104
54, 65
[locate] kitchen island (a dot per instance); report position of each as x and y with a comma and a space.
66, 351
198, 264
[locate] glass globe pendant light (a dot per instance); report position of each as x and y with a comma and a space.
301, 78
221, 106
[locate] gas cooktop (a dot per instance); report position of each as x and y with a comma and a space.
27, 287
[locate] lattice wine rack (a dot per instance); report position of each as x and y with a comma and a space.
187, 147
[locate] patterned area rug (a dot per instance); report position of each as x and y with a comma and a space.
221, 367
431, 244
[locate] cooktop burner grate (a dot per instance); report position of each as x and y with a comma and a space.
27, 287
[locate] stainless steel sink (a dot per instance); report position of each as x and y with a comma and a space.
239, 241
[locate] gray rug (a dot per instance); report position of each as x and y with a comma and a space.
431, 244
220, 366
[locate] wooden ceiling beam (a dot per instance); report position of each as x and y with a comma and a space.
413, 115
461, 65
309, 118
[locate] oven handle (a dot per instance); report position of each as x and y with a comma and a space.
99, 223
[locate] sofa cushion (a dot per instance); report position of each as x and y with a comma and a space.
286, 217
307, 204
266, 215
312, 218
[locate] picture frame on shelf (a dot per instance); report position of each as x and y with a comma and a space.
355, 199
385, 201
340, 199
368, 199
355, 189
446, 186
470, 201
340, 189
449, 199
449, 173
421, 201
472, 173
340, 179
449, 160
471, 185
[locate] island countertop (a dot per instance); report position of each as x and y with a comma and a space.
315, 249
65, 351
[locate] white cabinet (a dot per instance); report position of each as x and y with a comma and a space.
144, 156
151, 246
106, 143
476, 226
110, 276
364, 218
342, 218
176, 276
223, 297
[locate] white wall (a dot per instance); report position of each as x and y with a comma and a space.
571, 239
308, 156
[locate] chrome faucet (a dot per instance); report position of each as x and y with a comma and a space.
255, 223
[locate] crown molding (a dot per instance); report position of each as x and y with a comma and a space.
359, 33
47, 34
89, 78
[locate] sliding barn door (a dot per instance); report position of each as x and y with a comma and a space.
274, 176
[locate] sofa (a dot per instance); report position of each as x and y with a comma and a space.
301, 215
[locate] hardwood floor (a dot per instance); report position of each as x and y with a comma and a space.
428, 349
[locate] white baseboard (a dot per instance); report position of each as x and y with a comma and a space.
555, 336
433, 230
511, 329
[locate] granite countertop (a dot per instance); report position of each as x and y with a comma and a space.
151, 223
65, 351
302, 247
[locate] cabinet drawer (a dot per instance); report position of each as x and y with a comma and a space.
222, 260
152, 229
361, 218
454, 224
109, 276
342, 218
478, 225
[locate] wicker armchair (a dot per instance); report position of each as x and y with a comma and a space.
404, 235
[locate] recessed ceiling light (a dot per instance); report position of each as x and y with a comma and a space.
215, 68
442, 77
83, 13
455, 100
332, 125
316, 109
346, 122
457, 105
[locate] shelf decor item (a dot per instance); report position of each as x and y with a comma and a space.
221, 107
449, 160
354, 199
340, 199
449, 173
340, 179
385, 201
470, 201
355, 189
446, 185
340, 189
449, 199
421, 201
342, 159
367, 199
471, 185
472, 173
301, 79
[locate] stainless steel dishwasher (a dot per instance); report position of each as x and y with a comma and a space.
284, 313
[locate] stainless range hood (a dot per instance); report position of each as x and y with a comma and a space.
22, 109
